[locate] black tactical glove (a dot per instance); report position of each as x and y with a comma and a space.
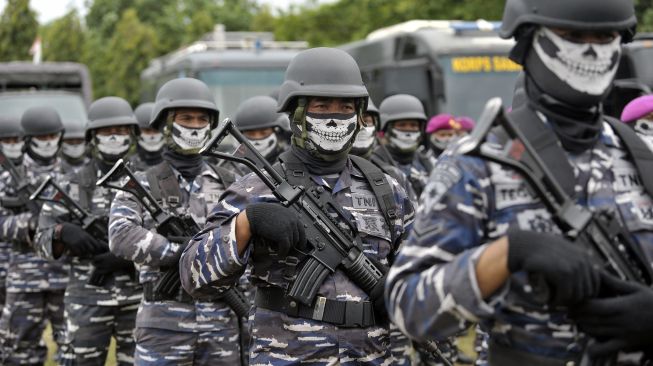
564, 267
278, 225
78, 242
106, 263
623, 321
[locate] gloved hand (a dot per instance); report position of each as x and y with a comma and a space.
565, 267
623, 321
277, 224
106, 263
79, 242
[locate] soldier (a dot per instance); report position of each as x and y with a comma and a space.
150, 141
258, 120
102, 297
481, 234
366, 142
639, 114
35, 286
444, 129
325, 97
73, 149
173, 330
402, 122
12, 144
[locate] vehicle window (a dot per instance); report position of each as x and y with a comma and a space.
69, 106
232, 86
470, 81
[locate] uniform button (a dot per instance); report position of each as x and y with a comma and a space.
293, 304
225, 238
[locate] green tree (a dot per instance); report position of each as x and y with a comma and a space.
63, 39
130, 48
18, 29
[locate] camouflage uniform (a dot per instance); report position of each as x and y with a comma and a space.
173, 332
93, 313
68, 168
35, 286
416, 172
211, 262
470, 202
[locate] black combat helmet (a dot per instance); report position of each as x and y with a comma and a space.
10, 126
110, 112
321, 72
258, 112
38, 121
609, 15
144, 114
400, 107
183, 93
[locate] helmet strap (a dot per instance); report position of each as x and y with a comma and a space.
299, 119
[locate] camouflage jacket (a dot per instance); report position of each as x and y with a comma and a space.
120, 288
132, 236
469, 203
212, 262
27, 272
416, 172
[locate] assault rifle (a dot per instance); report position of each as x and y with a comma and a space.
331, 246
608, 243
174, 228
21, 186
96, 226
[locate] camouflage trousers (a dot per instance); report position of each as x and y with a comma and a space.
162, 347
22, 324
89, 329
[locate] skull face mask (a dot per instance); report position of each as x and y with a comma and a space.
112, 146
73, 151
405, 142
13, 150
587, 69
265, 145
151, 142
331, 133
189, 140
45, 149
365, 138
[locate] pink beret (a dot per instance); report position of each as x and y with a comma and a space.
637, 108
448, 122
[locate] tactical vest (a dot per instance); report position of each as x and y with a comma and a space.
164, 185
545, 142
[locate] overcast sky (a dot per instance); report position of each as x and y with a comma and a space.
48, 10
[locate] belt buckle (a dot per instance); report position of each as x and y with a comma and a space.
354, 311
318, 309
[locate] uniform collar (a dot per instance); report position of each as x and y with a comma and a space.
344, 180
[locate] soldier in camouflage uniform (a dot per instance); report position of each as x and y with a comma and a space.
325, 115
12, 145
95, 309
257, 118
366, 142
149, 148
177, 330
73, 152
402, 122
35, 286
479, 230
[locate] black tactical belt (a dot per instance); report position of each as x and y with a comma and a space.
21, 247
150, 295
345, 314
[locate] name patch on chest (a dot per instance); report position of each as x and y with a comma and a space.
364, 201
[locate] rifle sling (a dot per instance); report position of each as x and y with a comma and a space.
164, 184
544, 141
